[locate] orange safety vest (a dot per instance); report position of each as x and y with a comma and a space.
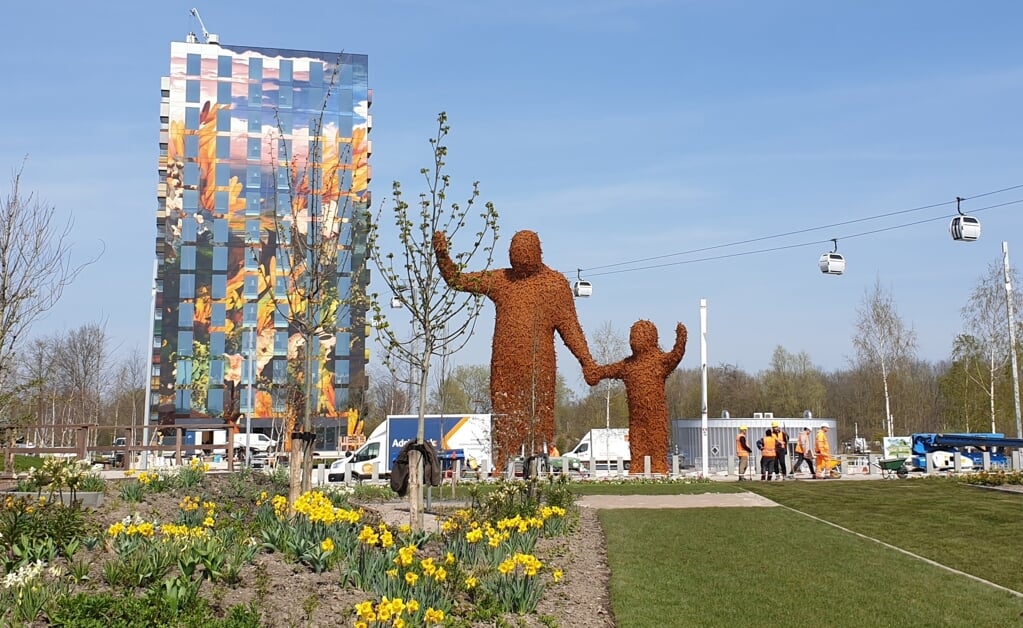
769, 451
823, 446
781, 441
742, 453
803, 443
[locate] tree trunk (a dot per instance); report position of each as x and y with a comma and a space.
415, 490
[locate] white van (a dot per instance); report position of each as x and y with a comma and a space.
257, 442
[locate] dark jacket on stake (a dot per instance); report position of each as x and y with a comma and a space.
400, 470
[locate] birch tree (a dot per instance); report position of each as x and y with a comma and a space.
986, 321
883, 341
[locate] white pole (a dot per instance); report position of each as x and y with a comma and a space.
252, 399
1012, 336
149, 373
703, 387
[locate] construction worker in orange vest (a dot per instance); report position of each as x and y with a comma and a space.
781, 444
743, 450
823, 451
804, 453
768, 456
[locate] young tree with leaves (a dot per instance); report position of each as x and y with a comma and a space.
441, 319
311, 264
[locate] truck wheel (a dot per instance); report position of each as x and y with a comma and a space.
627, 464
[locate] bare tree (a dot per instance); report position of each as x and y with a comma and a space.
609, 345
883, 341
311, 264
986, 321
792, 384
128, 396
442, 319
35, 267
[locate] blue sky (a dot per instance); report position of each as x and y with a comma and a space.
617, 130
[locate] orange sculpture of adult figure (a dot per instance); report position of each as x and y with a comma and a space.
644, 373
531, 303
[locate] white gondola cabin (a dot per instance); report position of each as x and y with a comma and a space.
832, 264
581, 288
964, 228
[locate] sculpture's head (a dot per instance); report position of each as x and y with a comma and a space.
524, 253
643, 336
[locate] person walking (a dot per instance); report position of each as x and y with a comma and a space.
823, 450
804, 453
768, 457
781, 445
743, 450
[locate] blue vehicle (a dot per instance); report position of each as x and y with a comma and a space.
463, 438
969, 446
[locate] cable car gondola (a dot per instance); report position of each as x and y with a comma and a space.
964, 228
582, 288
832, 263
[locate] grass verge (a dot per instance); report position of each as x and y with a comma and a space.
726, 566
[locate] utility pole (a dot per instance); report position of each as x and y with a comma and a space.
1012, 336
704, 444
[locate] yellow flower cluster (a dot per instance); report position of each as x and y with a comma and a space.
433, 571
327, 545
557, 574
530, 564
189, 503
520, 524
406, 556
196, 464
370, 536
148, 477
317, 507
458, 520
263, 496
395, 611
144, 528
280, 504
552, 511
175, 532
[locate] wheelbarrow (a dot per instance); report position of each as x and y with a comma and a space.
832, 468
892, 467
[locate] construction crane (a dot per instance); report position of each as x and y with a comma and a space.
211, 38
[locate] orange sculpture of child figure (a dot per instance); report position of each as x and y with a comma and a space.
644, 373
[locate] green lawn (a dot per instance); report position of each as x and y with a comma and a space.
727, 566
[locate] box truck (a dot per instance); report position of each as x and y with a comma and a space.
463, 438
601, 449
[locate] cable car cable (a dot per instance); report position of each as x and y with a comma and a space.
800, 231
787, 246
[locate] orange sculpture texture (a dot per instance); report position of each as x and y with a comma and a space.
644, 373
532, 302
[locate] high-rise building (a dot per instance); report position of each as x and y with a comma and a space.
259, 147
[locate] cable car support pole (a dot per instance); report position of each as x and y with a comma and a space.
1012, 336
703, 387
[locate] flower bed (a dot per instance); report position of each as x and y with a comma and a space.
187, 548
